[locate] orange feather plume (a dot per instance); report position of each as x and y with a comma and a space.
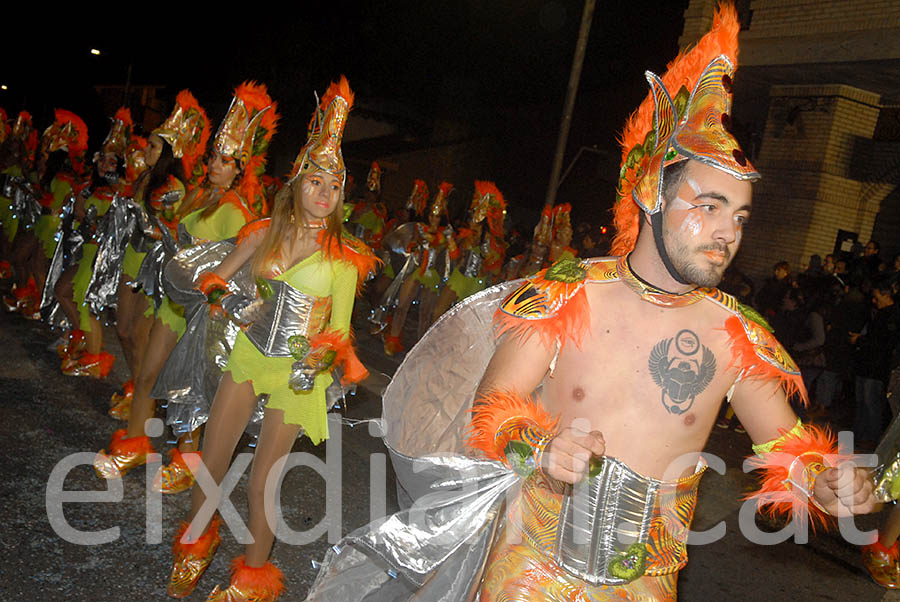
124, 115
339, 88
80, 143
684, 70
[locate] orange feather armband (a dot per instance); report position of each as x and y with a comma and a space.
788, 469
320, 353
512, 429
212, 285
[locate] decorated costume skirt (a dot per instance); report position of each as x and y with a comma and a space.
269, 375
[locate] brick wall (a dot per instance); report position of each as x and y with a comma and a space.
808, 191
787, 18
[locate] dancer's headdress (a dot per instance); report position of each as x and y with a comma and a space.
134, 158
67, 133
488, 202
418, 198
685, 116
562, 216
373, 180
326, 130
23, 129
187, 132
244, 135
439, 203
116, 142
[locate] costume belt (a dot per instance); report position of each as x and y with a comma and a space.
286, 312
615, 527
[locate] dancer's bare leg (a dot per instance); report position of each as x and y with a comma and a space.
161, 342
125, 313
445, 301
94, 337
231, 410
427, 302
65, 295
24, 246
275, 441
191, 441
404, 300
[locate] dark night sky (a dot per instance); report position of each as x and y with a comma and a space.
478, 62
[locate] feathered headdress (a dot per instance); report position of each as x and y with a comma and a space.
245, 134
187, 132
439, 204
69, 133
326, 130
373, 180
116, 141
134, 159
24, 130
686, 115
418, 198
488, 202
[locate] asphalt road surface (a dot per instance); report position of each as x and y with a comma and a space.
46, 419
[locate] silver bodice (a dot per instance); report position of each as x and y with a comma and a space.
604, 517
285, 313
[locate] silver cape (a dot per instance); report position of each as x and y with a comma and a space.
453, 505
191, 375
114, 231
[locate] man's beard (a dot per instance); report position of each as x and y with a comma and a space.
685, 261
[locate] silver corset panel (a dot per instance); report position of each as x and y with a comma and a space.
598, 525
287, 312
471, 265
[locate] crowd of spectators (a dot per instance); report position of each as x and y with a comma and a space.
840, 322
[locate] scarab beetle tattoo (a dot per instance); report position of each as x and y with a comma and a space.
682, 373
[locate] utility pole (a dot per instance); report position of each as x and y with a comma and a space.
571, 92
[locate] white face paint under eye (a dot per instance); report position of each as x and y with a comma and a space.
692, 224
307, 187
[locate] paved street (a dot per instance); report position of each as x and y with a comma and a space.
45, 417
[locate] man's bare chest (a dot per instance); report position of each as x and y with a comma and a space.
640, 361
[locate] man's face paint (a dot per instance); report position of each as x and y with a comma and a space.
704, 223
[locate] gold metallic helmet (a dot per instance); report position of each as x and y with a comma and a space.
187, 132
116, 141
439, 204
244, 136
418, 198
23, 129
323, 148
685, 116
67, 133
373, 180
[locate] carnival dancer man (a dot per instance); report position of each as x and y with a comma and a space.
633, 356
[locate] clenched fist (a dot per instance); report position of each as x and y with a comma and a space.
845, 490
568, 456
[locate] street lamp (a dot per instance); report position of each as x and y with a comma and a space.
95, 52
